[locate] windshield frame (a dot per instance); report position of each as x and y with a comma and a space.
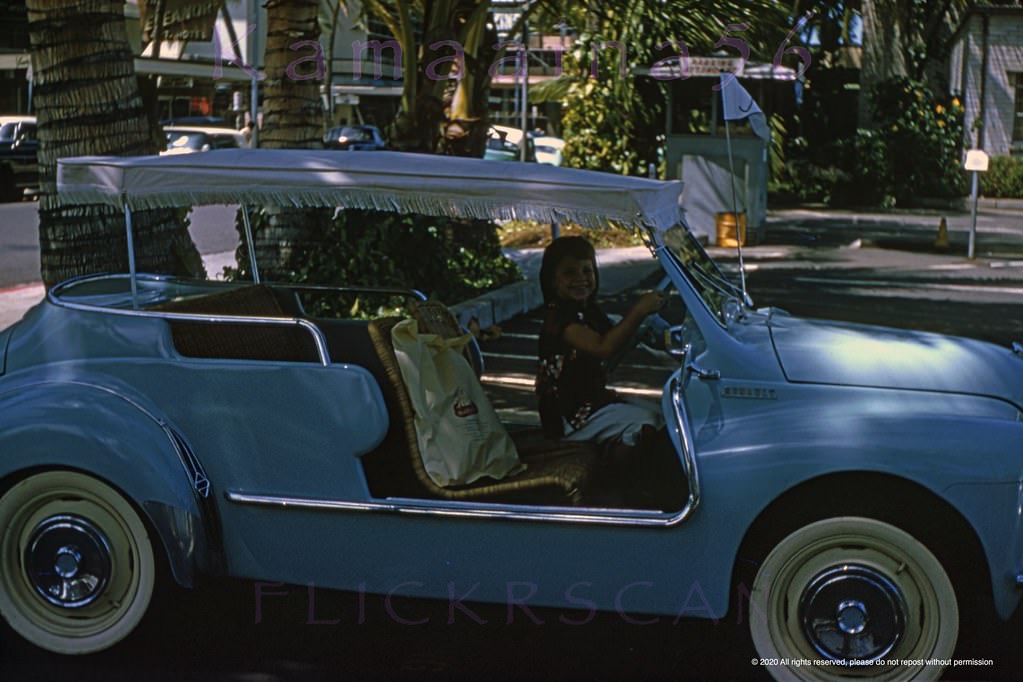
708, 281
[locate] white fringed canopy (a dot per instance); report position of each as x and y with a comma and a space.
389, 181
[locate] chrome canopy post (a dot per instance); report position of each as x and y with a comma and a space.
131, 259
250, 244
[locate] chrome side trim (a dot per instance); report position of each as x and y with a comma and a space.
511, 512
193, 467
470, 510
688, 452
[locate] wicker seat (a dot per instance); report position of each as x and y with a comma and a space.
556, 473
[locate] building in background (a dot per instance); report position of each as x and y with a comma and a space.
986, 68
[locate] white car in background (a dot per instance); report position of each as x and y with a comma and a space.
190, 139
548, 150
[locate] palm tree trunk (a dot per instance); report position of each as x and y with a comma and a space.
87, 101
292, 119
441, 115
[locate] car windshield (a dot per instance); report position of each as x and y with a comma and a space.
356, 134
722, 296
7, 131
185, 140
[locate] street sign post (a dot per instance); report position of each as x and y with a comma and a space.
976, 163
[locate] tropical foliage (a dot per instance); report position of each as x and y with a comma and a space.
612, 121
371, 248
923, 133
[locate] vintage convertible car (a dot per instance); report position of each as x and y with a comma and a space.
855, 492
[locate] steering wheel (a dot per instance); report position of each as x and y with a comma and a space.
650, 330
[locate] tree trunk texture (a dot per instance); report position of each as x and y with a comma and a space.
292, 119
883, 50
448, 115
87, 101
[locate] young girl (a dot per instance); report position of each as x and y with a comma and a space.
576, 340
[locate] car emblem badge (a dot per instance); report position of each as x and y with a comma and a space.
749, 392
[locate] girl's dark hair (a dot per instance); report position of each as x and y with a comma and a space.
558, 250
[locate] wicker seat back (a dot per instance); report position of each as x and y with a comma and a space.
556, 478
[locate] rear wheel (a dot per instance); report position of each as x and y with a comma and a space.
76, 564
854, 595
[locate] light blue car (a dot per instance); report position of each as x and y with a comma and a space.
855, 492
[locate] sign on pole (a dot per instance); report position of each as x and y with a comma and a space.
976, 163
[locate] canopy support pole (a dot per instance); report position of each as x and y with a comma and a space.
735, 211
250, 244
131, 259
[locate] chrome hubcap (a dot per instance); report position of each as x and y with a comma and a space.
67, 561
852, 612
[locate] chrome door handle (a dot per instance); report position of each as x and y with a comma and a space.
704, 374
689, 367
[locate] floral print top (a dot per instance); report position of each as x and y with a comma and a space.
570, 384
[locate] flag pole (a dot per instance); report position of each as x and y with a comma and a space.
735, 201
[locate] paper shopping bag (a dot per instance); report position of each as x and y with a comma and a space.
460, 437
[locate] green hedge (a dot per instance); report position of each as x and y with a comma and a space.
451, 260
1004, 178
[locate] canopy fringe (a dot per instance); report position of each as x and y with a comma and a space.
446, 206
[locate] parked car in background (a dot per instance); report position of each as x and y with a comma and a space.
505, 144
355, 138
19, 169
189, 139
548, 150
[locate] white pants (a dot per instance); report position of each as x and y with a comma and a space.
623, 421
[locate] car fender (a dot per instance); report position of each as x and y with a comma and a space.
104, 432
954, 447
982, 487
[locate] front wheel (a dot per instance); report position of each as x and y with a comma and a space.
76, 564
854, 597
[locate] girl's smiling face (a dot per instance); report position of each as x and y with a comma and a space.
575, 279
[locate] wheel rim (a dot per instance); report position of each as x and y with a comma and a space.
852, 612
857, 590
76, 565
67, 561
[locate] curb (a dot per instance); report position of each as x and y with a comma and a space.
1011, 204
494, 307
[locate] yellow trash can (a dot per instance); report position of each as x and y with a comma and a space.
726, 228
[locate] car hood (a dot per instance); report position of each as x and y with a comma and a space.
816, 351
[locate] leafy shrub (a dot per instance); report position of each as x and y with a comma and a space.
609, 122
867, 163
923, 134
803, 181
451, 260
1004, 178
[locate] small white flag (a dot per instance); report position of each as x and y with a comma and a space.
738, 105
